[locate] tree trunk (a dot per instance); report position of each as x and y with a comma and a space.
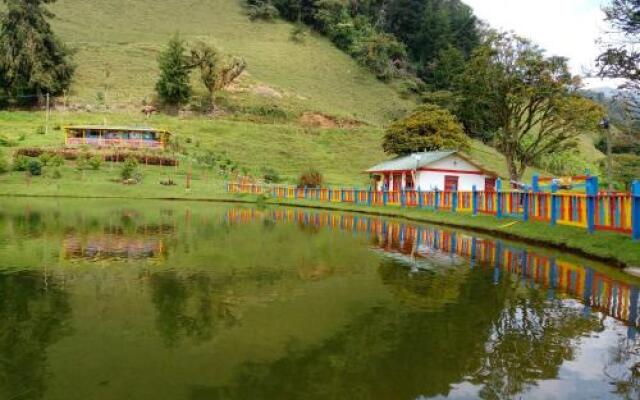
514, 174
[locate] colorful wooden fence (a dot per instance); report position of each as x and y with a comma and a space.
596, 290
593, 210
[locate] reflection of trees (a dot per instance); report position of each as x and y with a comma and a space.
529, 342
189, 306
32, 317
623, 370
398, 350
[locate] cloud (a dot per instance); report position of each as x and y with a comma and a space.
566, 28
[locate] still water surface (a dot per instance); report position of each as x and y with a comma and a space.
158, 300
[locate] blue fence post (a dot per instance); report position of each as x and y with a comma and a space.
454, 200
554, 203
355, 196
525, 205
369, 197
498, 198
329, 194
635, 209
436, 200
592, 197
341, 195
474, 199
420, 201
535, 183
403, 198
385, 197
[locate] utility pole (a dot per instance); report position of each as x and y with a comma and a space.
606, 125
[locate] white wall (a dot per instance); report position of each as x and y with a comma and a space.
431, 180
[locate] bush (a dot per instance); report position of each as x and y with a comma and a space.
298, 33
129, 168
56, 174
94, 163
56, 160
34, 167
45, 158
262, 10
310, 178
270, 175
20, 163
4, 165
40, 130
6, 142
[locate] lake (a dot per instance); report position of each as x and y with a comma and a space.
122, 299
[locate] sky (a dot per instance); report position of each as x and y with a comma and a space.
566, 28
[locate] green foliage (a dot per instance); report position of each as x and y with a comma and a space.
626, 168
261, 10
33, 61
34, 167
40, 130
6, 142
298, 33
56, 174
56, 161
4, 165
428, 128
270, 175
310, 178
94, 162
129, 168
20, 163
524, 100
173, 86
382, 54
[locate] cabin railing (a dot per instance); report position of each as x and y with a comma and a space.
131, 143
593, 210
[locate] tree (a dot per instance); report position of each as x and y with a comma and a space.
214, 73
527, 100
621, 58
173, 86
33, 61
429, 128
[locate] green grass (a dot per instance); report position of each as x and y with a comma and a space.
127, 36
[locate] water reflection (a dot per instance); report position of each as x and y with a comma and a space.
198, 302
34, 311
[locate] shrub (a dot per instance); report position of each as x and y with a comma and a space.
34, 167
262, 10
56, 174
4, 165
56, 160
6, 142
310, 178
45, 158
129, 168
20, 163
94, 162
40, 130
270, 175
298, 33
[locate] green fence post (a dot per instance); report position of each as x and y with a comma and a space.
454, 200
499, 198
420, 200
385, 197
403, 198
592, 197
635, 209
436, 200
355, 196
474, 199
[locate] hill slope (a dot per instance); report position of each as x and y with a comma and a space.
127, 35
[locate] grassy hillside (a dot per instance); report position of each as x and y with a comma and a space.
124, 37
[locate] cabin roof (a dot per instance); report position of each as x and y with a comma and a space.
105, 128
408, 162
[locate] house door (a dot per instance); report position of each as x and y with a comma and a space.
490, 184
397, 182
451, 183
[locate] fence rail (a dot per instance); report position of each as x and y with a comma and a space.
593, 210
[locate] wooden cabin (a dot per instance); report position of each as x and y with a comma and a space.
435, 170
116, 136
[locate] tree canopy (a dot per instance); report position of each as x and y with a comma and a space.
173, 86
429, 128
33, 61
527, 101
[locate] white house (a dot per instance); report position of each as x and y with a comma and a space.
441, 170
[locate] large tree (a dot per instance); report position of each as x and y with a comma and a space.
621, 57
526, 99
173, 86
33, 61
429, 128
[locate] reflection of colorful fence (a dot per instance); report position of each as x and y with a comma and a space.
595, 289
617, 212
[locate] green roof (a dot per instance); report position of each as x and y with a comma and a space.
407, 163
